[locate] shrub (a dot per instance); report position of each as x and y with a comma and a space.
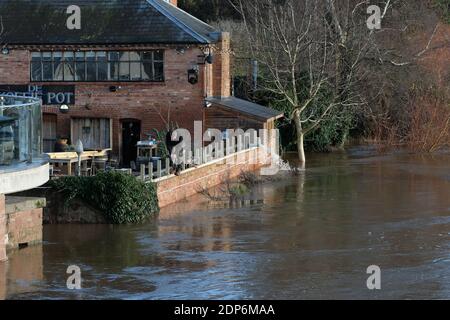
122, 198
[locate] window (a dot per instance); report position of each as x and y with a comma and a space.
95, 66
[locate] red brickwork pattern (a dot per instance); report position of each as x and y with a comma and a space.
2, 228
155, 105
177, 188
24, 227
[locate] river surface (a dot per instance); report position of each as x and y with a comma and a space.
307, 236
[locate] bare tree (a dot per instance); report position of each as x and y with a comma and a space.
312, 54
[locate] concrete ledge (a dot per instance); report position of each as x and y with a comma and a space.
23, 177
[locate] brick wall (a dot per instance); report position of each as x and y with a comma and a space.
2, 229
154, 104
24, 227
221, 67
177, 188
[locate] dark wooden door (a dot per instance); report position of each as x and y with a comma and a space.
131, 135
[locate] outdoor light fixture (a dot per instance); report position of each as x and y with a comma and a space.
193, 76
115, 88
64, 108
5, 50
208, 104
209, 58
181, 50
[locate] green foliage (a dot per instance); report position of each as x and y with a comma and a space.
122, 198
163, 152
238, 190
333, 130
444, 9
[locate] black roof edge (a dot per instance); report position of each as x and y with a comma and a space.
275, 114
105, 44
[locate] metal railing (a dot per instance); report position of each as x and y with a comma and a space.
213, 152
20, 130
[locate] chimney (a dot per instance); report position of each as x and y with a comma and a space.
221, 66
174, 2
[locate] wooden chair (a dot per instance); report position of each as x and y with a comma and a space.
86, 171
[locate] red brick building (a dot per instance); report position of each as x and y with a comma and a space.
124, 68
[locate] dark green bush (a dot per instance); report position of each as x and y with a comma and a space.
122, 198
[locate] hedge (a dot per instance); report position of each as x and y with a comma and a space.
122, 198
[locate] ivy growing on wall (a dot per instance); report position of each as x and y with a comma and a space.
122, 198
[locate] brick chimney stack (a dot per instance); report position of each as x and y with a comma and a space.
221, 66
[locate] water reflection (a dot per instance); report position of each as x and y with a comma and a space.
22, 273
305, 236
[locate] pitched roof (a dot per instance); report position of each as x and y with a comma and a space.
44, 22
246, 107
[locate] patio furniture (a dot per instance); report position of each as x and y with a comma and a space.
85, 169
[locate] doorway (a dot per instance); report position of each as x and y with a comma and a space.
49, 132
131, 135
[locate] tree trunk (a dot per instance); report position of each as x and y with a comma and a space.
300, 140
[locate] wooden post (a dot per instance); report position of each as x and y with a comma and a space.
167, 167
222, 148
240, 143
158, 169
183, 164
143, 172
150, 170
210, 152
197, 160
218, 150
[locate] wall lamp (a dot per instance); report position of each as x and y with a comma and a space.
5, 51
180, 50
64, 108
193, 76
209, 58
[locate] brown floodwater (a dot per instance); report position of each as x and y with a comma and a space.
310, 236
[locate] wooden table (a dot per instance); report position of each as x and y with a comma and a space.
68, 159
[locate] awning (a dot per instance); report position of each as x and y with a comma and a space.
247, 107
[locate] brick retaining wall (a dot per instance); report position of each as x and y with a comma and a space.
23, 221
173, 189
2, 228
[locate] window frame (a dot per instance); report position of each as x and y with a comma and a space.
38, 65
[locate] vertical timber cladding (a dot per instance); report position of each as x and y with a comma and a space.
94, 133
49, 131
